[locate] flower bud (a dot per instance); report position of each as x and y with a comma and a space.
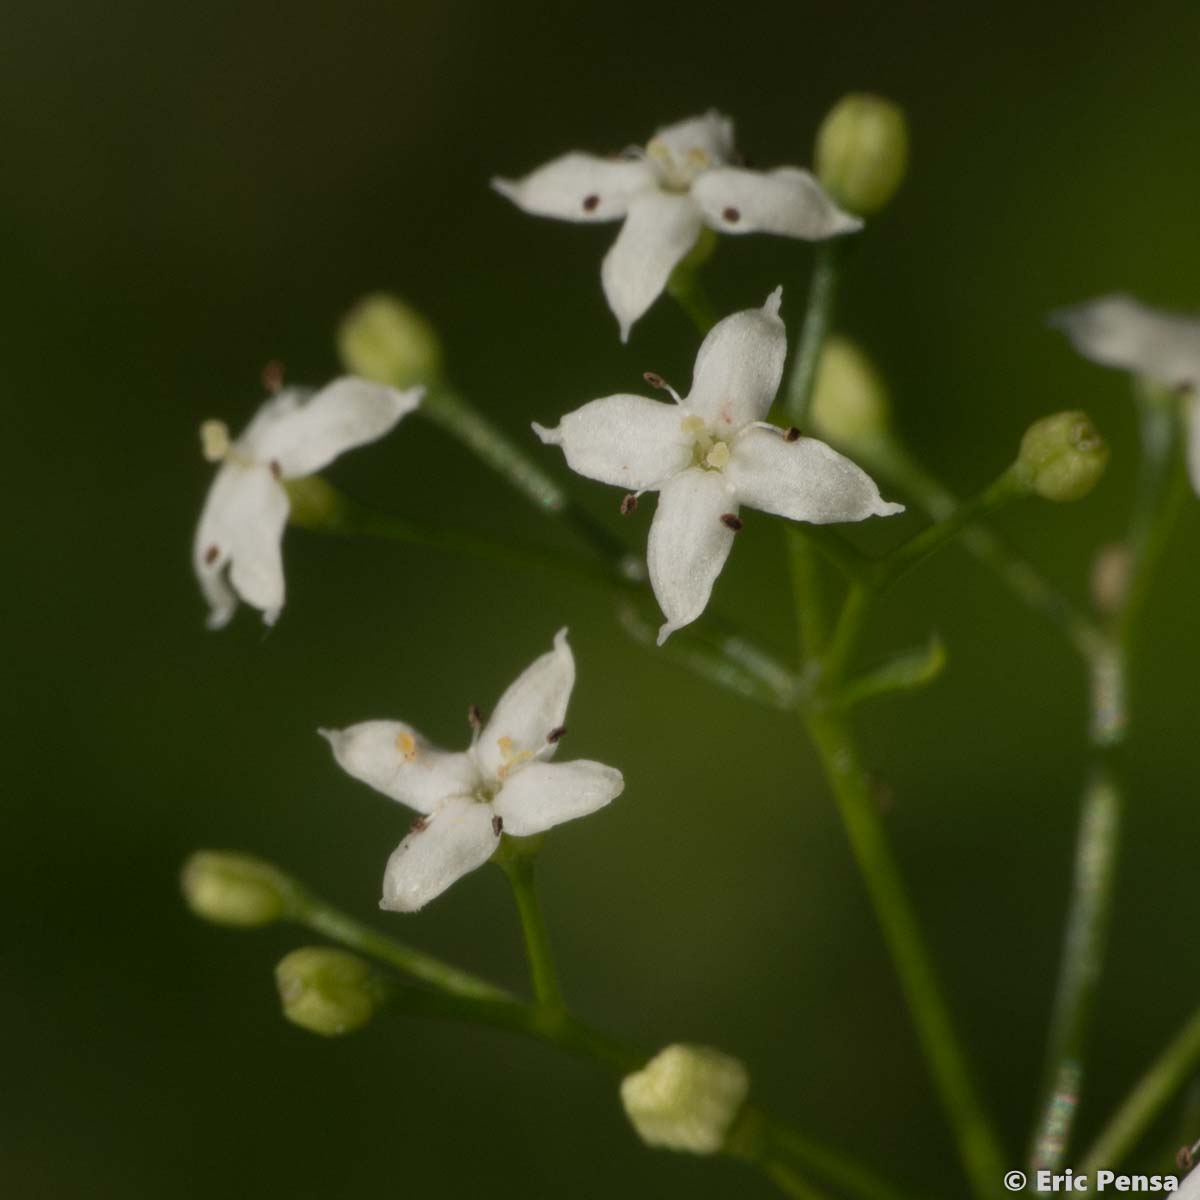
383, 339
235, 889
327, 991
849, 401
315, 504
862, 151
1062, 457
686, 1098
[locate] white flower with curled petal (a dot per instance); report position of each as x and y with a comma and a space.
667, 193
711, 452
504, 783
237, 551
1119, 331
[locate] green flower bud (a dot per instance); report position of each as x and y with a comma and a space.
686, 1098
235, 889
315, 504
327, 991
1062, 457
862, 151
849, 402
383, 339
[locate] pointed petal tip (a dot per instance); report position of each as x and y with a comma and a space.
773, 301
550, 437
664, 631
560, 639
506, 187
889, 508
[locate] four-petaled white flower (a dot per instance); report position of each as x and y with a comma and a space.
502, 784
711, 452
241, 528
682, 181
1119, 331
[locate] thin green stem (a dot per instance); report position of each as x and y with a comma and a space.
338, 926
818, 316
789, 1182
978, 1145
687, 289
1177, 1063
812, 625
519, 867
847, 633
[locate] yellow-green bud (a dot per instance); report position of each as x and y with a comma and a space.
384, 339
1062, 457
862, 151
849, 402
686, 1098
235, 889
315, 504
327, 991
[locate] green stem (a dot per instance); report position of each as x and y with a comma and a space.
978, 1145
518, 866
789, 1182
1165, 1077
340, 927
818, 315
812, 628
687, 289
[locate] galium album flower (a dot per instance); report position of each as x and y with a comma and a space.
708, 454
238, 548
504, 782
684, 179
1119, 331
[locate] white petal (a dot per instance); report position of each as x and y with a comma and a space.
541, 795
241, 528
1118, 331
534, 705
688, 544
1193, 442
579, 187
805, 480
660, 229
396, 760
710, 135
738, 368
628, 441
787, 201
458, 837
347, 413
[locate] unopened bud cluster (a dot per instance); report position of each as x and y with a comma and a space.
686, 1098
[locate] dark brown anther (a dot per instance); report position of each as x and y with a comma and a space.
628, 503
211, 555
732, 215
654, 379
272, 376
276, 469
591, 203
497, 825
791, 434
475, 717
556, 734
732, 521
1184, 1159
419, 825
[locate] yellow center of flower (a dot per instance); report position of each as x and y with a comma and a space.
407, 745
510, 756
677, 173
707, 451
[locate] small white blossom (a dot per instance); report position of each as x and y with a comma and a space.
238, 548
503, 783
686, 1098
666, 193
1119, 331
710, 453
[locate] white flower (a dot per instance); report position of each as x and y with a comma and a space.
1119, 331
503, 783
666, 194
241, 528
711, 452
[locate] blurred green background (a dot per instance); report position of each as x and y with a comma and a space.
191, 190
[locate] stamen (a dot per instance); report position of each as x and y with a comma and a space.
718, 456
497, 825
419, 825
792, 434
211, 555
276, 469
591, 203
475, 717
732, 215
692, 424
214, 440
407, 745
732, 521
629, 503
657, 381
272, 377
510, 755
556, 734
